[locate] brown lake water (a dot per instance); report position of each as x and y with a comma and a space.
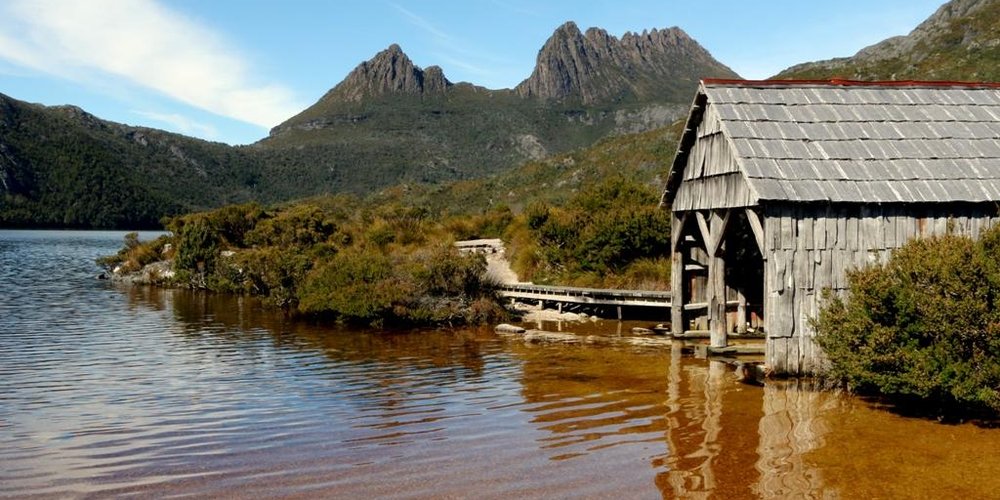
108, 391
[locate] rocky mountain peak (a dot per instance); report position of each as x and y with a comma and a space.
389, 72
595, 66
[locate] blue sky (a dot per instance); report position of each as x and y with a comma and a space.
228, 70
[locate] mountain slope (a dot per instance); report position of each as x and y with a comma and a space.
960, 41
644, 157
62, 167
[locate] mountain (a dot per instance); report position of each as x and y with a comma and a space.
960, 41
405, 124
595, 67
62, 167
389, 72
389, 122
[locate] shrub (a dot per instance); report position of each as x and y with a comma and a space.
273, 273
297, 226
197, 248
235, 221
923, 325
135, 254
594, 238
355, 285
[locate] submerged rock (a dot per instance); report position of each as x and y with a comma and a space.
506, 328
151, 274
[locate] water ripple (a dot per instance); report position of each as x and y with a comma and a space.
109, 391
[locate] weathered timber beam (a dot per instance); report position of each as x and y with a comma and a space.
706, 235
719, 225
757, 228
677, 229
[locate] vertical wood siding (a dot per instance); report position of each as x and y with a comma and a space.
810, 248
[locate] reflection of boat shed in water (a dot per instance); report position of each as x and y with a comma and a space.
779, 188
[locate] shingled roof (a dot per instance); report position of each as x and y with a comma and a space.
844, 141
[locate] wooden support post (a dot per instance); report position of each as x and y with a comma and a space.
619, 313
758, 230
559, 306
741, 311
717, 282
677, 263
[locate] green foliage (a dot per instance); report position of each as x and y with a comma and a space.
66, 168
552, 181
444, 272
198, 242
300, 225
328, 257
136, 254
926, 324
273, 273
356, 286
234, 222
592, 241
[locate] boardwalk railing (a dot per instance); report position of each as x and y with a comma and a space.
591, 296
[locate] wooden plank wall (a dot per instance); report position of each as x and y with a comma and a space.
712, 177
811, 247
718, 191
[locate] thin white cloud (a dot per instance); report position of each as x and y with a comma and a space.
450, 61
181, 123
452, 52
145, 43
422, 23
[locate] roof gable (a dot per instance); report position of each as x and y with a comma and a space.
856, 142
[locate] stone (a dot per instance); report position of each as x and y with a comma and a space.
506, 328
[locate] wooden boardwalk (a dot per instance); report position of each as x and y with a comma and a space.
589, 296
596, 296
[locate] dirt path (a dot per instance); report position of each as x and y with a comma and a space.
497, 265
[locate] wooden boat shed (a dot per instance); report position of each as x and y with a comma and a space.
779, 188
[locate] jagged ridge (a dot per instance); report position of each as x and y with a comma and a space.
389, 72
595, 66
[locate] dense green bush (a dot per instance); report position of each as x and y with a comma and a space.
596, 238
925, 325
356, 286
198, 245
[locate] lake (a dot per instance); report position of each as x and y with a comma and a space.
111, 391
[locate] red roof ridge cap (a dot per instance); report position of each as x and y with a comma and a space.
833, 82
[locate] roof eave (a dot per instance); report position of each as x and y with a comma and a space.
684, 145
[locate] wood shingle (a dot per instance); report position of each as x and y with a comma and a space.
801, 141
